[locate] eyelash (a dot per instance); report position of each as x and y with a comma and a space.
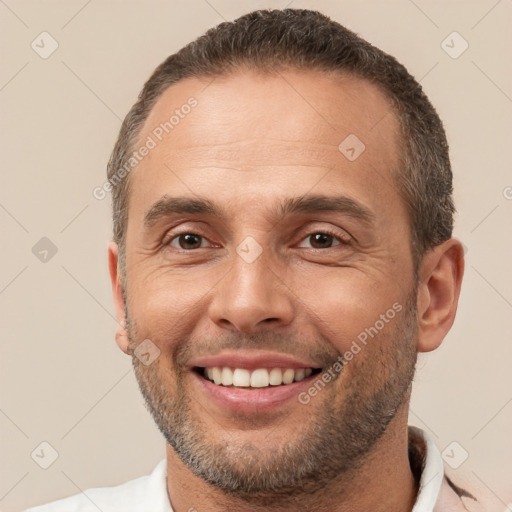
341, 239
336, 236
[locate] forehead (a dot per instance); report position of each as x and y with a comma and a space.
253, 132
311, 105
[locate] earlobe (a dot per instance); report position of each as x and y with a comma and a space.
122, 338
439, 286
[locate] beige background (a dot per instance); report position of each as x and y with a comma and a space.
62, 378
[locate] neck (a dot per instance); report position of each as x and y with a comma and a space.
383, 482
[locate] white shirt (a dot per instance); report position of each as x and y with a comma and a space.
149, 493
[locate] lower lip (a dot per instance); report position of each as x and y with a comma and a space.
252, 400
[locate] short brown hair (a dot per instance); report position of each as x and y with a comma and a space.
269, 40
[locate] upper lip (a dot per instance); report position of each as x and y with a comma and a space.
252, 361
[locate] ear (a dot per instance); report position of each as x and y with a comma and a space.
440, 278
122, 339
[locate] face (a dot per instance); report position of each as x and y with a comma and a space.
260, 259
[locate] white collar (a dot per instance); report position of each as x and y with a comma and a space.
432, 474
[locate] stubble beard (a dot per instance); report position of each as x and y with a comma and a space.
334, 445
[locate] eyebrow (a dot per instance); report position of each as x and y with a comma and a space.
323, 203
168, 206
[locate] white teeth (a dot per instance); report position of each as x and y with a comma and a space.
217, 378
241, 378
259, 378
275, 377
300, 374
288, 376
226, 377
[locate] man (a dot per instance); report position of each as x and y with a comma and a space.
282, 251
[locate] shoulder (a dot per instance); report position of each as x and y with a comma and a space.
437, 491
132, 496
453, 498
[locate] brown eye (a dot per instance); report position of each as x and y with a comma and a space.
187, 241
321, 240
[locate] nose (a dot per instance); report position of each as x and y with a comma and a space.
252, 297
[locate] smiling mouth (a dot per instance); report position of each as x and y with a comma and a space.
254, 379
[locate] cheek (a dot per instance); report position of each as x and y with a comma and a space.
165, 307
348, 307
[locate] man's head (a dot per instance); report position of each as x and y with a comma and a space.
293, 219
270, 41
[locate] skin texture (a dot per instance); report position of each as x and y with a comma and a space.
253, 142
